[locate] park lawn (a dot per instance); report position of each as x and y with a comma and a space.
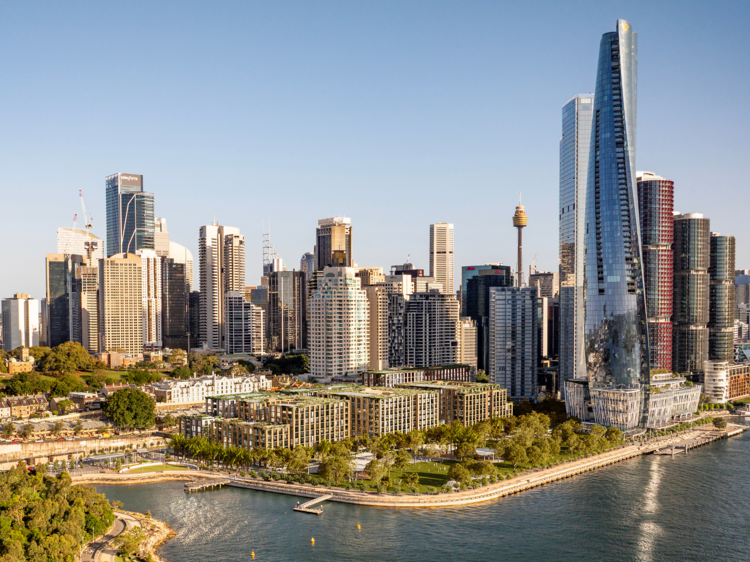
156, 468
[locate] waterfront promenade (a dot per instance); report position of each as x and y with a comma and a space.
522, 482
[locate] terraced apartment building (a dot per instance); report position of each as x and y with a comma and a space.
466, 402
249, 434
392, 377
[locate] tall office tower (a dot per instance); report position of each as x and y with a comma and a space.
194, 319
20, 316
616, 325
42, 325
396, 328
333, 243
151, 295
78, 241
514, 340
174, 308
370, 275
130, 215
377, 300
656, 209
441, 255
721, 298
161, 238
520, 220
691, 293
431, 328
221, 255
546, 282
307, 264
121, 303
244, 325
467, 342
339, 322
287, 311
469, 272
180, 254
577, 116
741, 295
84, 307
63, 316
477, 306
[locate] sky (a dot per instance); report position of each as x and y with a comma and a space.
396, 114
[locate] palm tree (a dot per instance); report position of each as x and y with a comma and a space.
178, 443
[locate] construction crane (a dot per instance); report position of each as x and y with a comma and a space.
75, 221
88, 224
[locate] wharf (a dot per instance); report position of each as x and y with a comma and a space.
205, 485
701, 437
305, 507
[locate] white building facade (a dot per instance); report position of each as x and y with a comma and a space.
151, 295
441, 255
244, 325
20, 316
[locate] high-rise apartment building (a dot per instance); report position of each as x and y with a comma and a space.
130, 215
396, 328
477, 305
86, 303
467, 342
546, 282
287, 311
79, 241
431, 329
333, 243
175, 300
370, 275
221, 252
377, 300
151, 295
20, 316
194, 319
514, 340
577, 117
656, 210
60, 270
244, 325
338, 337
121, 303
690, 315
161, 238
441, 255
721, 298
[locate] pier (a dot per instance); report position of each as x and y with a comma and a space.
305, 507
708, 436
205, 485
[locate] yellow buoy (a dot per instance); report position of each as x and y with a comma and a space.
358, 527
252, 554
312, 541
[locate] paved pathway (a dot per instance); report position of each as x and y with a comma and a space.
102, 550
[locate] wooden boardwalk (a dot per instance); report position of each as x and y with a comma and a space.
205, 485
305, 507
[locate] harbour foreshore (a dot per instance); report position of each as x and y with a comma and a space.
522, 482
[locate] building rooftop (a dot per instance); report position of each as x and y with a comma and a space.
458, 386
378, 392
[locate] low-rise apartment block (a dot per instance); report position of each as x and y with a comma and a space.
724, 381
249, 434
467, 402
25, 406
392, 377
196, 389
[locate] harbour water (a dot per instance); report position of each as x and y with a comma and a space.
693, 507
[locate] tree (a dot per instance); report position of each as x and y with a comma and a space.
237, 370
335, 467
459, 473
515, 453
57, 427
169, 421
613, 434
8, 430
26, 430
128, 543
178, 357
182, 373
130, 408
402, 459
299, 460
63, 406
376, 470
78, 427
720, 423
536, 456
247, 364
411, 479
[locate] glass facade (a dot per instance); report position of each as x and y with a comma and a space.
130, 215
656, 207
721, 298
577, 116
691, 293
174, 312
287, 311
58, 300
616, 328
477, 306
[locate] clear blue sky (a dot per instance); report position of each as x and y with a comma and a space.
396, 114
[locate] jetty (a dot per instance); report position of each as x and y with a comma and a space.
305, 507
205, 485
701, 437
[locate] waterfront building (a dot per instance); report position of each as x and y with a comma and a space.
392, 377
577, 117
248, 435
333, 243
20, 316
370, 275
441, 255
79, 241
175, 297
121, 304
656, 211
724, 381
616, 335
244, 324
377, 301
431, 329
467, 342
691, 293
130, 215
721, 311
196, 426
672, 399
467, 402
338, 337
221, 255
546, 282
514, 340
476, 303
151, 295
287, 311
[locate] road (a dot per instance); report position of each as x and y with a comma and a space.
101, 550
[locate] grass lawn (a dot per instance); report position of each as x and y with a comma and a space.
156, 468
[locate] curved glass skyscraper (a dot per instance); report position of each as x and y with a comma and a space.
616, 334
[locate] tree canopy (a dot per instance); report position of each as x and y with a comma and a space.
130, 408
289, 365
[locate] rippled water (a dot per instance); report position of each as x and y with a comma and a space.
693, 507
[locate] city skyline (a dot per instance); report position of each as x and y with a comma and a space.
502, 141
